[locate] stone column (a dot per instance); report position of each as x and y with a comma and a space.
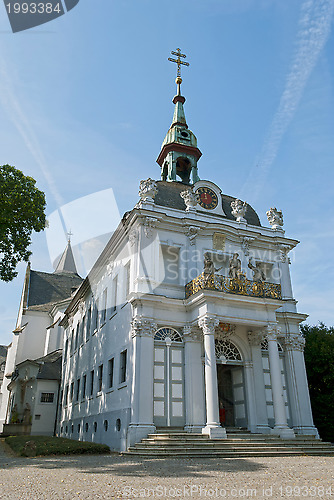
194, 380
213, 427
281, 426
141, 423
298, 387
255, 339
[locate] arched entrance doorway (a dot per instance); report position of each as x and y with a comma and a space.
168, 379
231, 390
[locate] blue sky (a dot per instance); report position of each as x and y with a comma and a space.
85, 103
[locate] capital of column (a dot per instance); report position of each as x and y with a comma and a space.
191, 333
254, 338
208, 324
141, 327
271, 332
295, 343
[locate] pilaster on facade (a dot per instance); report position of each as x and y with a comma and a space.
257, 383
194, 387
298, 386
281, 427
141, 424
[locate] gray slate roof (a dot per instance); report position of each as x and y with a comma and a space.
168, 195
3, 351
46, 289
51, 367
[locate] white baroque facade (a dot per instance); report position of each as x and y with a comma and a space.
154, 338
186, 321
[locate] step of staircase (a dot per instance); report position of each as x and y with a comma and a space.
239, 443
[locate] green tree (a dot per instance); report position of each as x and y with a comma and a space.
22, 211
319, 360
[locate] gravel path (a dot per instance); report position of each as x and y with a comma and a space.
113, 476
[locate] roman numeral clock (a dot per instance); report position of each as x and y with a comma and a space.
209, 197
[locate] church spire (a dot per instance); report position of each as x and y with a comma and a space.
66, 263
179, 153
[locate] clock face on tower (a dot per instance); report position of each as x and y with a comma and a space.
207, 198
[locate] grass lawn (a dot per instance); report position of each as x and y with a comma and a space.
30, 446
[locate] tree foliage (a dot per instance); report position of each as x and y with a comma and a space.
319, 360
22, 208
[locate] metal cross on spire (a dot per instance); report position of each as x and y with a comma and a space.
69, 234
178, 61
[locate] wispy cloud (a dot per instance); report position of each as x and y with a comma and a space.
313, 32
11, 104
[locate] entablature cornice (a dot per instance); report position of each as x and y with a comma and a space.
246, 300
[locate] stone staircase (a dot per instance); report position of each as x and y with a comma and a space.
239, 444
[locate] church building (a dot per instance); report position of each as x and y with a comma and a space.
187, 320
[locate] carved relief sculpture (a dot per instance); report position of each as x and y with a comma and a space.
235, 267
209, 267
283, 251
191, 232
143, 327
147, 190
258, 273
245, 244
190, 199
133, 236
149, 225
275, 218
239, 209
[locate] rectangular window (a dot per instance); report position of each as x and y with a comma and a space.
72, 341
76, 338
96, 315
91, 382
82, 328
122, 370
104, 306
61, 398
78, 390
88, 323
114, 294
72, 391
127, 279
66, 351
84, 382
111, 372
100, 377
66, 396
47, 397
170, 257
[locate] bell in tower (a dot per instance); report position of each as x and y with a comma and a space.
179, 153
